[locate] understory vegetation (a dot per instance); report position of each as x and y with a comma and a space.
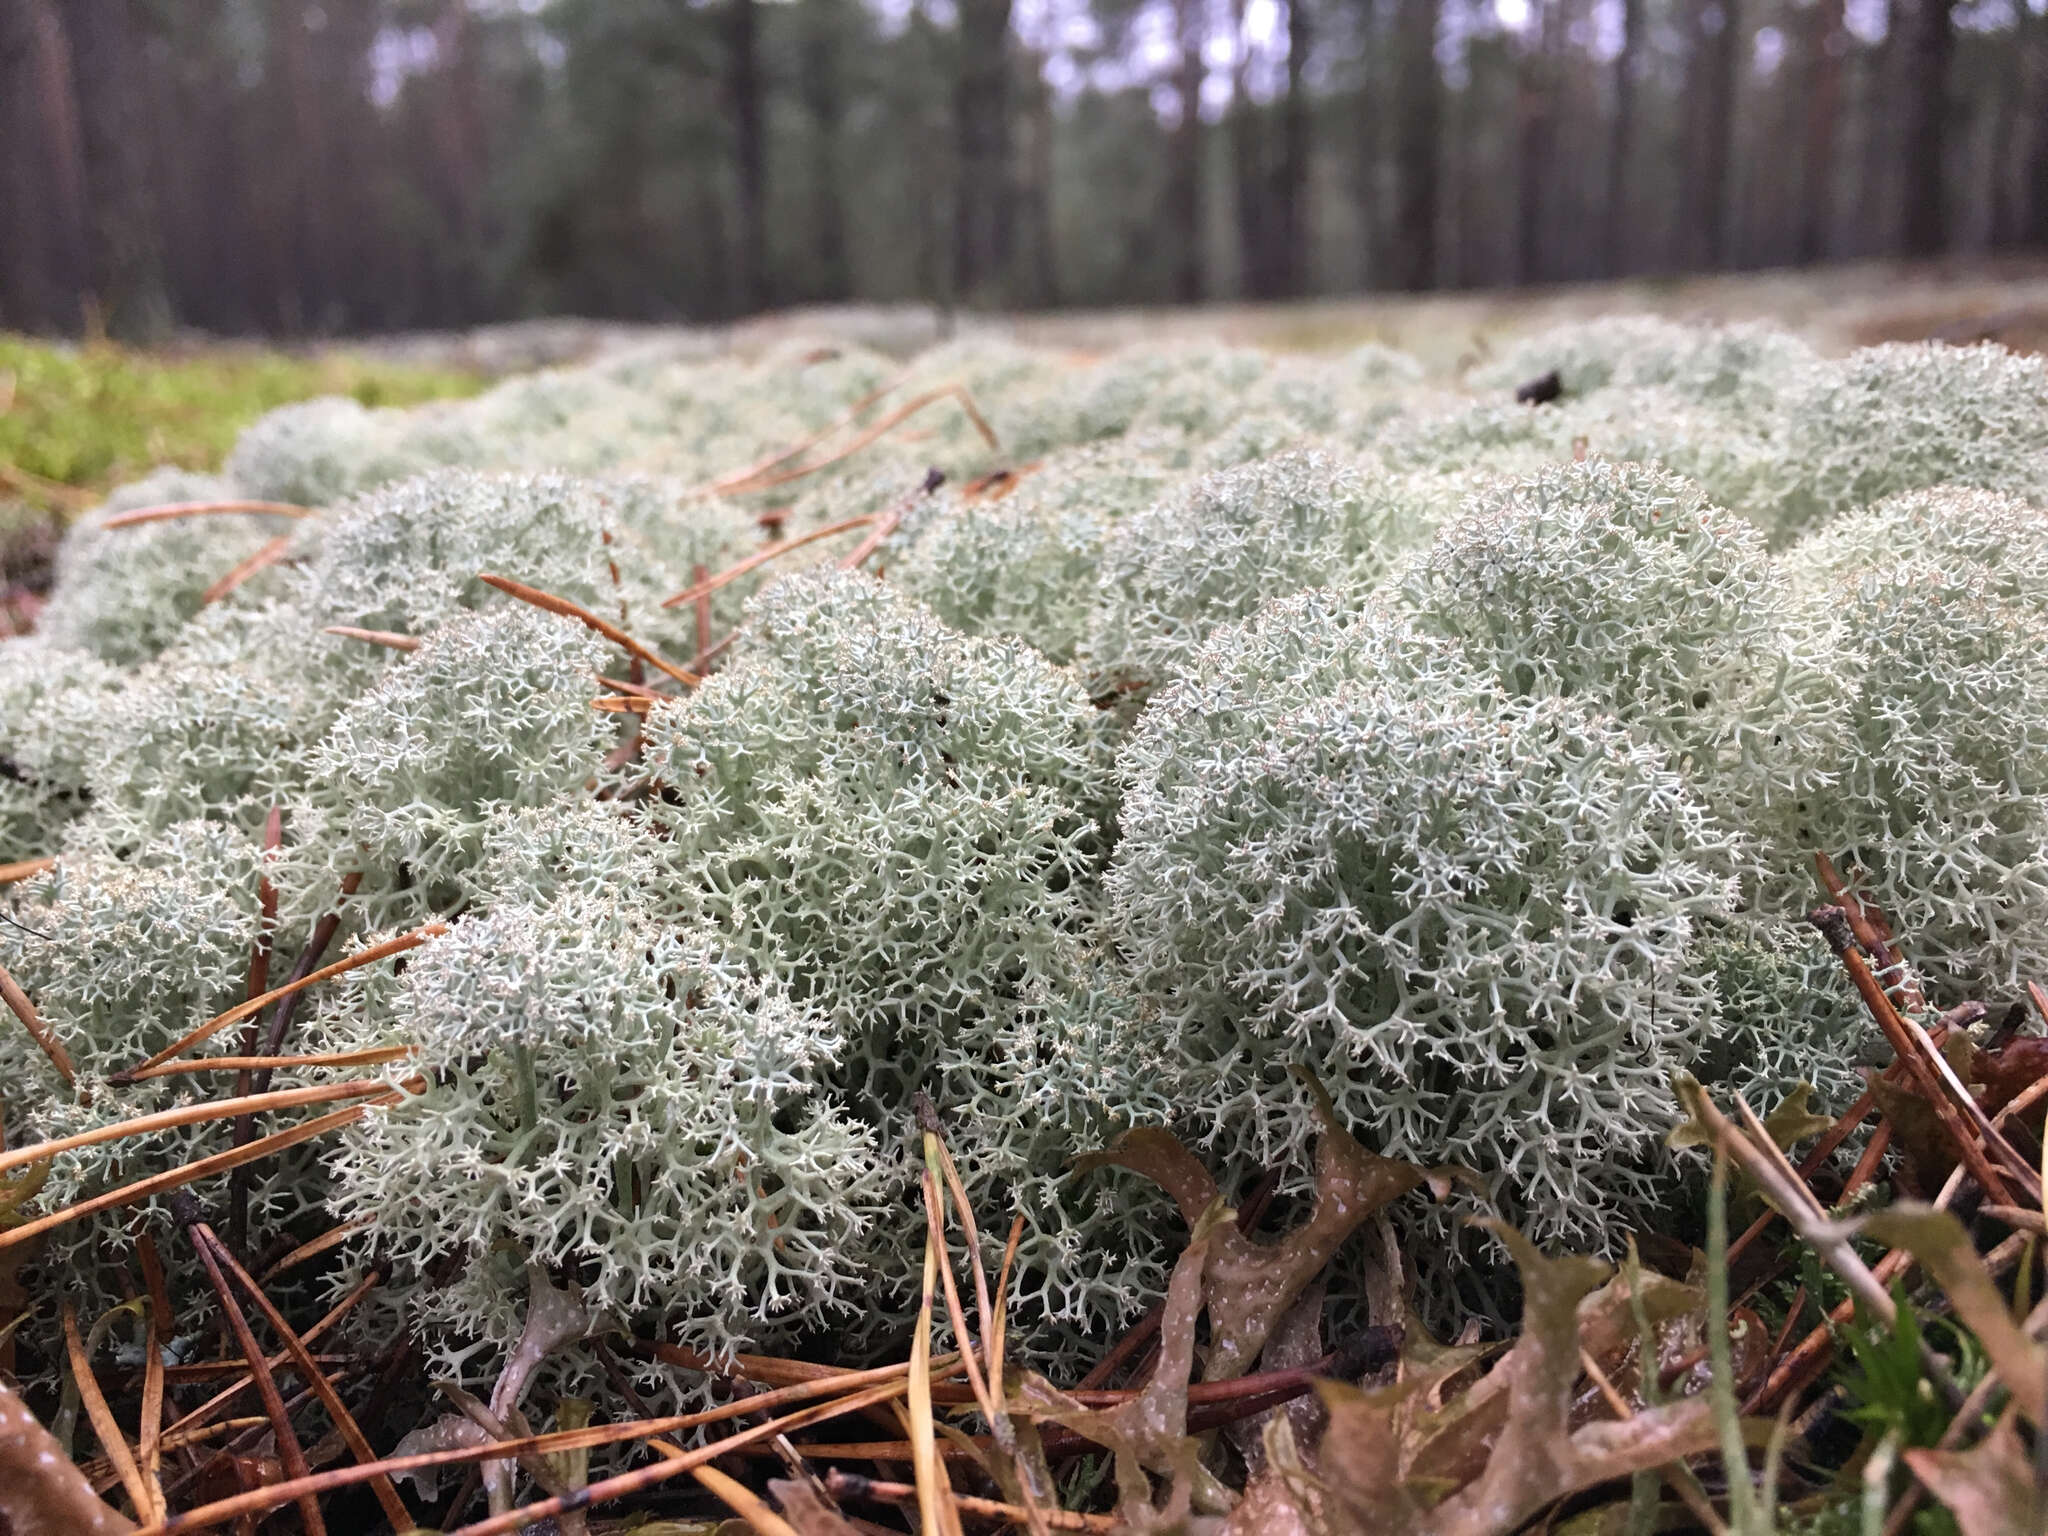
1215, 942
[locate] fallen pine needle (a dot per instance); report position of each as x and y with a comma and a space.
206, 1167
240, 1011
172, 510
191, 1114
390, 639
261, 560
24, 1010
583, 616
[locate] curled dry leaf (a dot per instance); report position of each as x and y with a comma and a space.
805, 1509
1251, 1283
1149, 1433
1497, 1453
41, 1492
1990, 1488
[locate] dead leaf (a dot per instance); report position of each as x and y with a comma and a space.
1251, 1283
1149, 1432
1792, 1121
1989, 1488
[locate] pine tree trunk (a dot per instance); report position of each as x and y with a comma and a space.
824, 102
123, 257
1824, 48
749, 152
1184, 216
986, 194
1621, 141
1929, 45
42, 175
1289, 265
1417, 145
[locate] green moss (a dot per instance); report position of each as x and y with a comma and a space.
82, 419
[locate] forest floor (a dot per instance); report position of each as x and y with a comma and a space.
1837, 308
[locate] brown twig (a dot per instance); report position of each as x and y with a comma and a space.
310, 1372
563, 606
390, 639
172, 510
150, 1442
297, 984
24, 1010
1834, 927
376, 1056
851, 1485
103, 1424
26, 869
257, 1500
760, 557
261, 560
206, 1167
190, 1114
289, 1452
205, 1412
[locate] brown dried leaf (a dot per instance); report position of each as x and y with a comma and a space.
1149, 1432
1945, 1251
1930, 1156
1989, 1488
1503, 1449
41, 1492
1793, 1121
1251, 1283
805, 1508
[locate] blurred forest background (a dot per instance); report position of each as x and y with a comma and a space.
308, 167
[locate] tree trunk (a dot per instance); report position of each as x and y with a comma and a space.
1247, 171
123, 260
1929, 44
1537, 117
1824, 48
1417, 146
1038, 263
986, 194
1289, 265
749, 152
1184, 215
824, 101
1621, 140
42, 176
1717, 40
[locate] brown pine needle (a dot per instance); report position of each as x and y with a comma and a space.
902, 413
150, 1443
261, 560
206, 1167
289, 1451
191, 1114
240, 1011
761, 557
258, 1499
884, 526
192, 1422
583, 616
851, 1485
172, 510
103, 1423
390, 639
621, 704
374, 1057
762, 466
337, 1411
334, 1237
24, 1010
26, 869
744, 1502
